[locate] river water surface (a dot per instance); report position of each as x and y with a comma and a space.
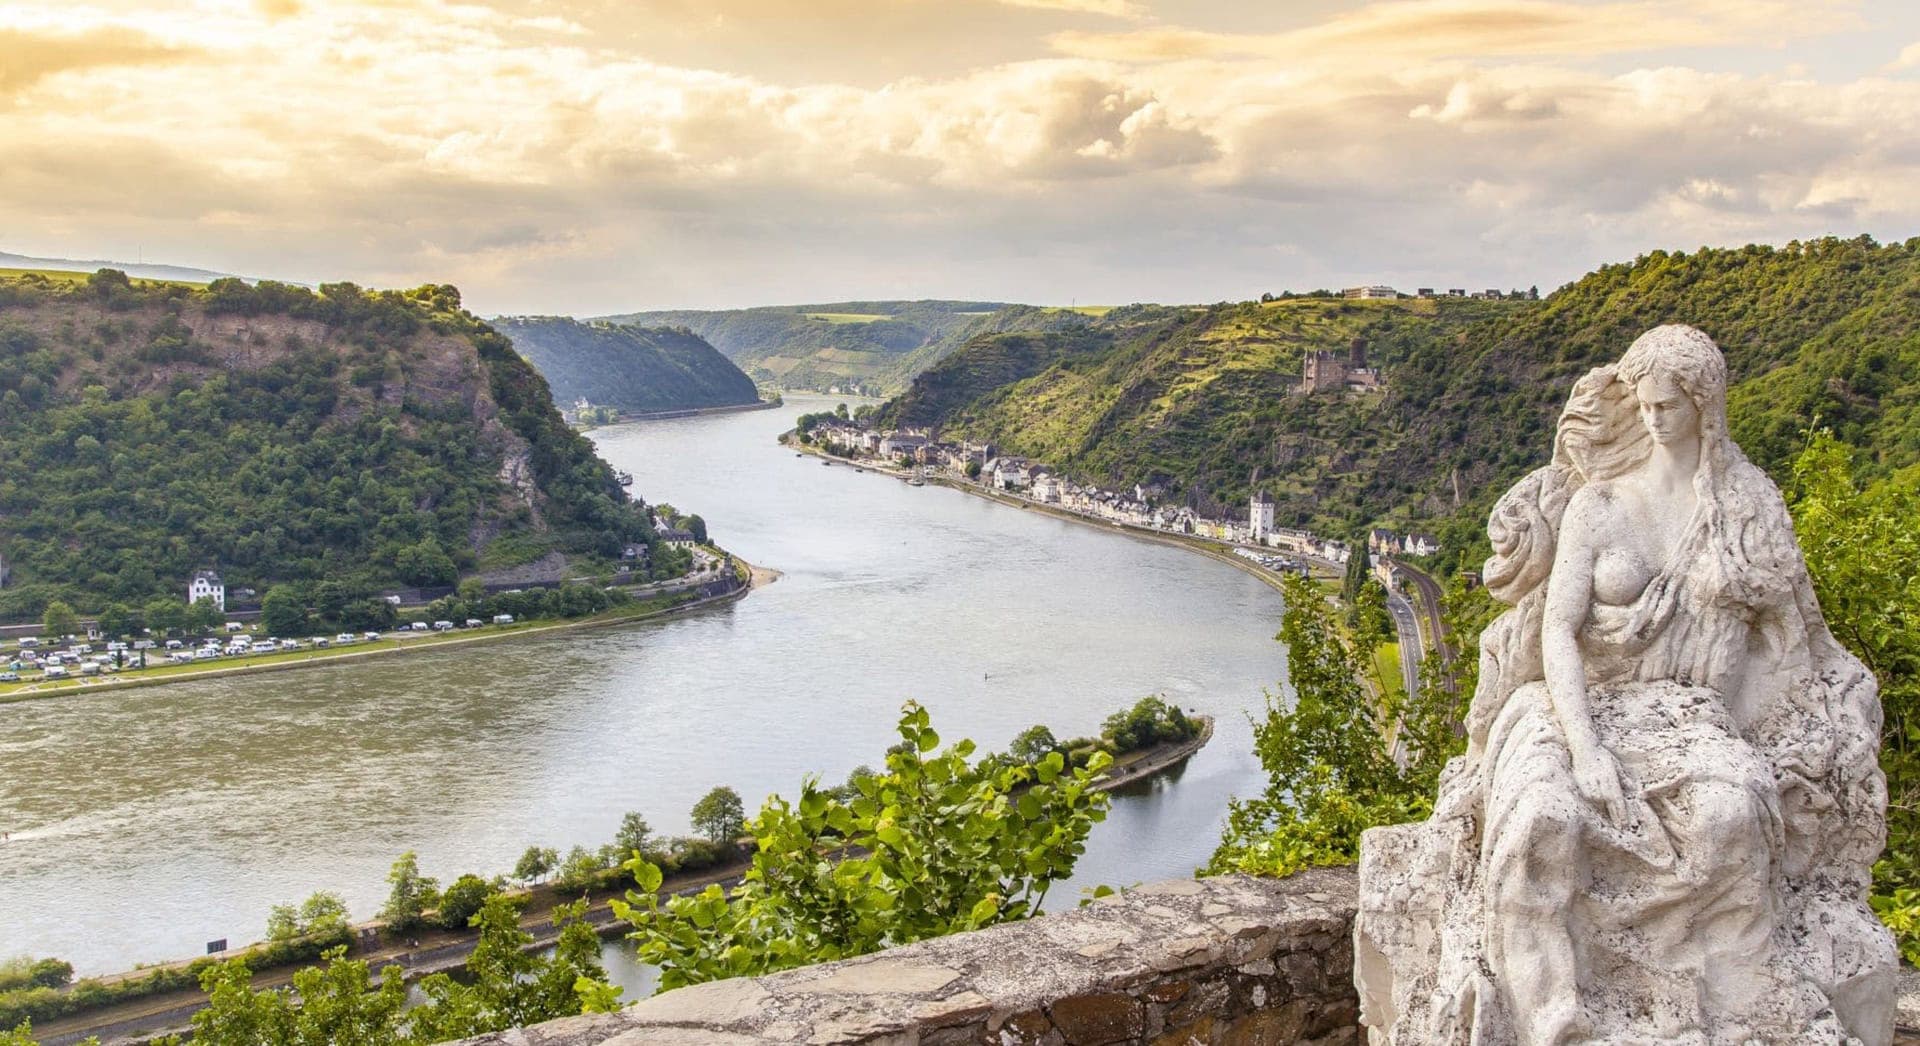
146, 822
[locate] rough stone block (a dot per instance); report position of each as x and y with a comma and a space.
1098, 1019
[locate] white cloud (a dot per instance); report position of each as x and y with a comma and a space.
401, 141
1126, 9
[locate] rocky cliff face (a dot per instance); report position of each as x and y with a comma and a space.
277, 434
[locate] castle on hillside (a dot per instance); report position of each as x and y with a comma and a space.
1322, 371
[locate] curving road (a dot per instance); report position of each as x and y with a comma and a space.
1430, 599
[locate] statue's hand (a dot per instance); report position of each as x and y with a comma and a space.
1597, 774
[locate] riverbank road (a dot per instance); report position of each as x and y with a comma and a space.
1413, 648
1431, 598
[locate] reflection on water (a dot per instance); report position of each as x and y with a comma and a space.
147, 822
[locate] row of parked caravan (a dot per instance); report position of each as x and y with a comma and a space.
75, 658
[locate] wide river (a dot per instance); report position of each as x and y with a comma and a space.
144, 823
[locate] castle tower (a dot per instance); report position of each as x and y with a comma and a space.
1260, 515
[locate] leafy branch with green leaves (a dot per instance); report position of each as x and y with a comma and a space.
935, 844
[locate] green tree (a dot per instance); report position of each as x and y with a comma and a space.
697, 527
580, 870
935, 845
1359, 568
410, 895
1372, 623
204, 615
1150, 721
164, 615
536, 864
719, 815
118, 619
1033, 744
506, 985
425, 563
339, 1005
60, 620
461, 899
1329, 774
323, 912
50, 973
634, 836
236, 1014
1863, 553
284, 611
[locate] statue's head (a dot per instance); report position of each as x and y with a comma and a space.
1670, 387
1679, 382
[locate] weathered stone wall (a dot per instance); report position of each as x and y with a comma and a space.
1231, 960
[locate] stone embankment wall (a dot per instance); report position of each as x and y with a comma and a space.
1231, 960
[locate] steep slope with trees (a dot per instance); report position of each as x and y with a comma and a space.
1198, 399
629, 368
855, 346
280, 435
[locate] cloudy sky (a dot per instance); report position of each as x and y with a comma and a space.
590, 156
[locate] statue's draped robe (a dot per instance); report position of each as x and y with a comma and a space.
1728, 906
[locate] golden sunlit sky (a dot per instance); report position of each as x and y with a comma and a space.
592, 156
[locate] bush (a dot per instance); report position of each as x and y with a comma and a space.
463, 897
44, 1004
582, 870
692, 855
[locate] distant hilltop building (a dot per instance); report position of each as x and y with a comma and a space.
207, 585
1323, 371
1370, 292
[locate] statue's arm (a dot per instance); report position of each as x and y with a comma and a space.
1569, 601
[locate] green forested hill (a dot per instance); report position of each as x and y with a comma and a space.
1198, 399
629, 368
867, 346
368, 439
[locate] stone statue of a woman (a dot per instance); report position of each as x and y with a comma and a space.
1662, 828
